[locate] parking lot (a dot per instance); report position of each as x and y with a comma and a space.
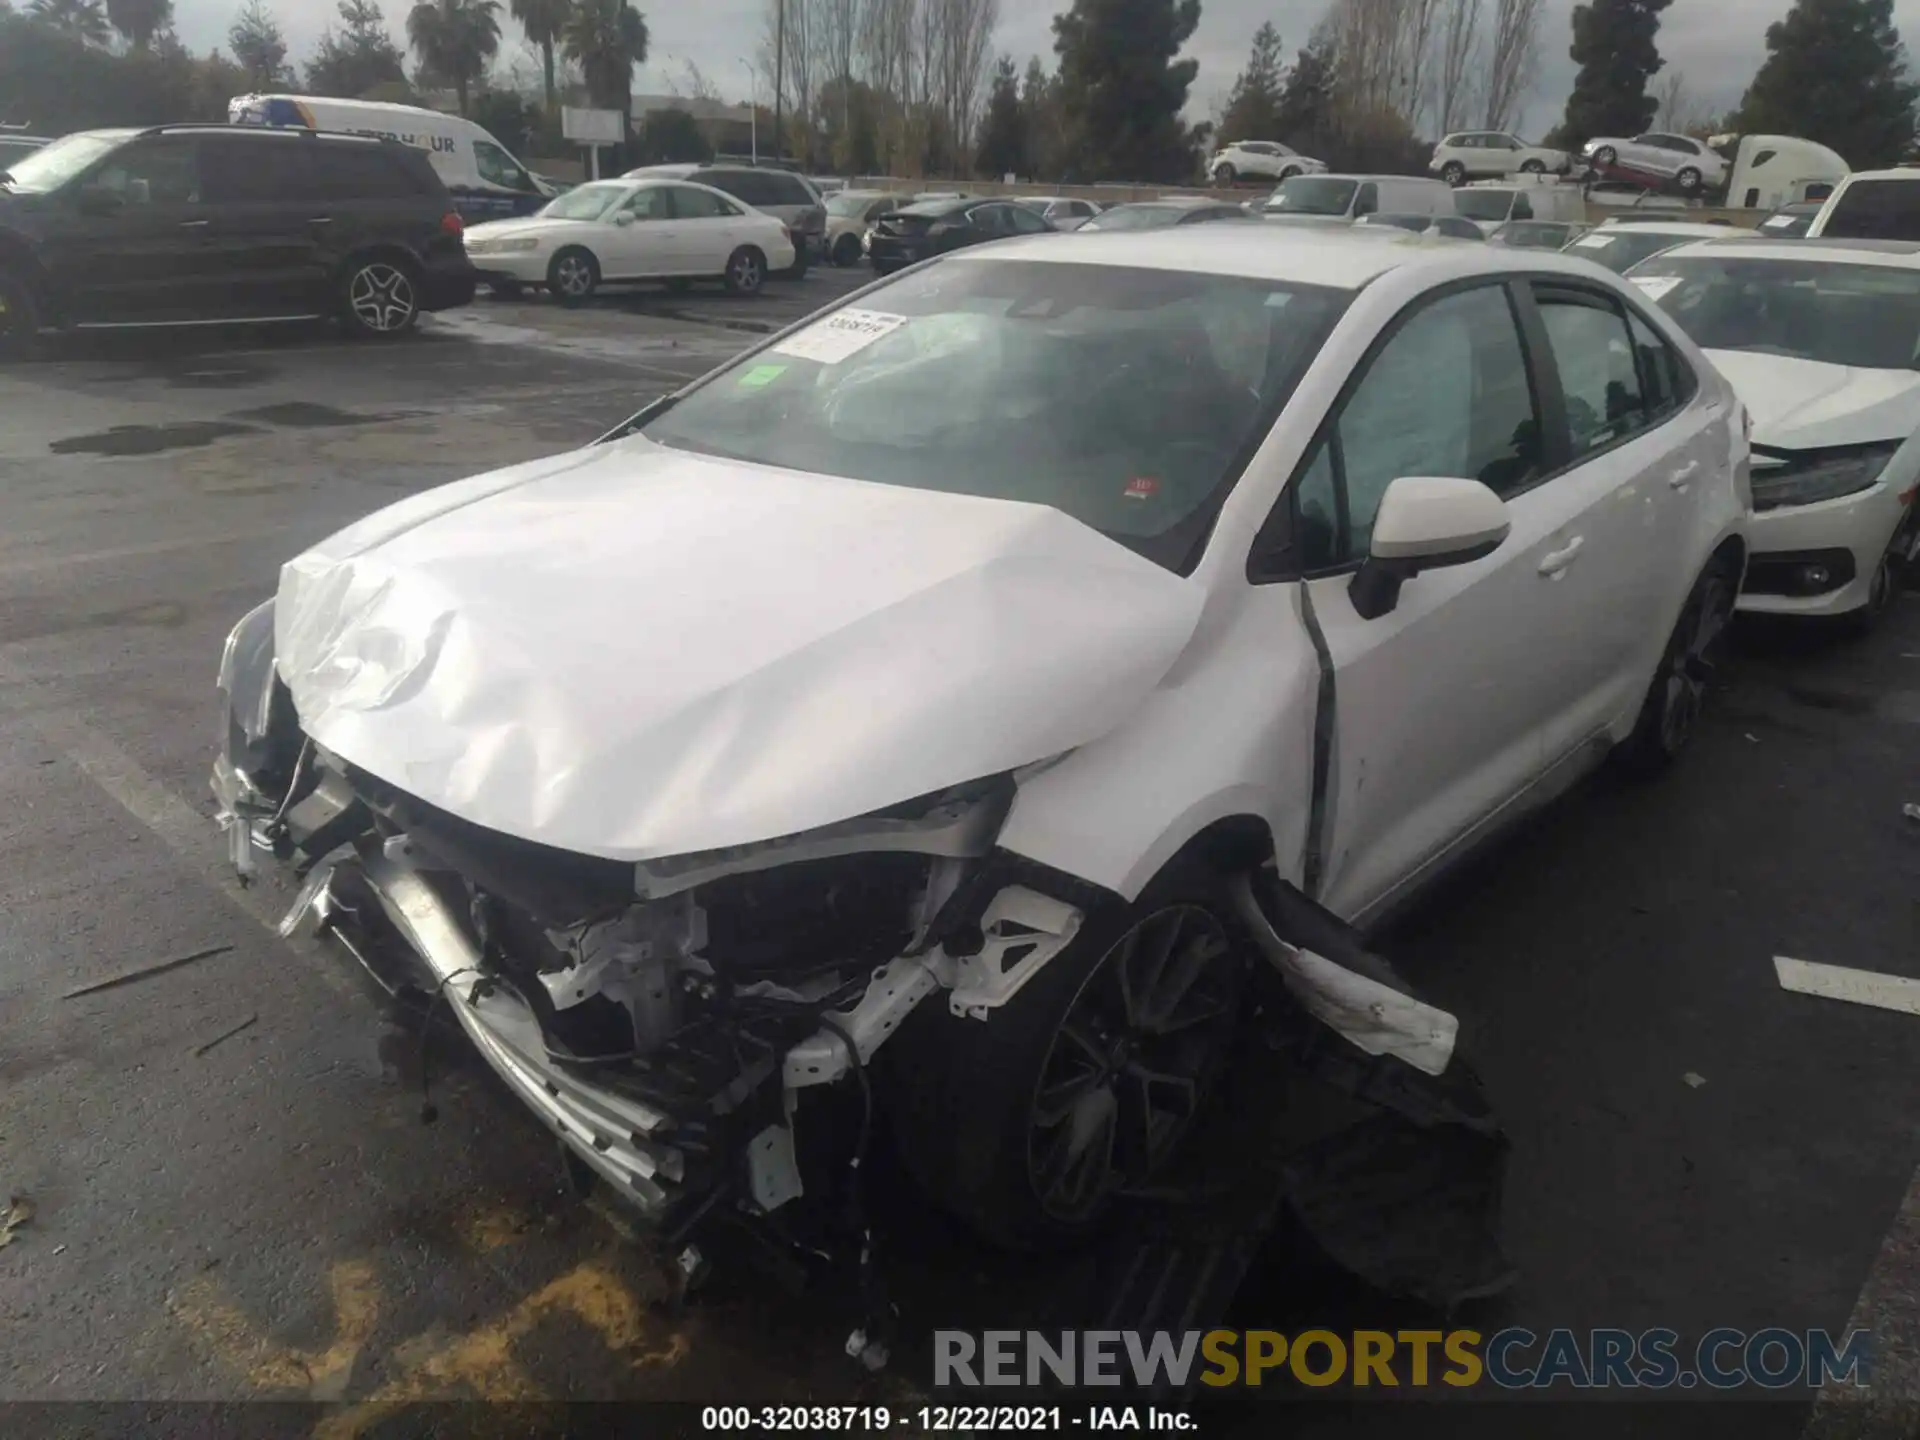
234, 1194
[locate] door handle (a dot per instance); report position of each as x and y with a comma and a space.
1679, 478
193, 224
1555, 561
321, 220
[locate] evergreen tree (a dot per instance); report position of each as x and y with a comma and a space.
1613, 43
356, 58
1004, 147
1253, 109
1122, 87
1303, 115
1835, 73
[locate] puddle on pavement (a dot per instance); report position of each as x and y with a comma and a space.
1900, 706
305, 415
217, 377
151, 439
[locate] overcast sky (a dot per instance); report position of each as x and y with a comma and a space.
1716, 43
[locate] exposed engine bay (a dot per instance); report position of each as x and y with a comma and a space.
659, 1016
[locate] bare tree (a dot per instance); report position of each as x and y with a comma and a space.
693, 83
888, 45
1415, 68
1455, 71
1515, 44
1676, 111
790, 57
959, 63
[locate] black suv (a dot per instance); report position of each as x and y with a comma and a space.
776, 192
185, 223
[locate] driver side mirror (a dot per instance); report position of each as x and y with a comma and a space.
625, 217
1425, 523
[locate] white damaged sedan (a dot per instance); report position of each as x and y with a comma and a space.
958, 692
1822, 341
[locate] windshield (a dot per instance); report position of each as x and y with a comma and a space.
1531, 234
1136, 217
51, 166
850, 204
586, 202
1312, 195
1129, 399
1621, 250
1483, 204
1861, 315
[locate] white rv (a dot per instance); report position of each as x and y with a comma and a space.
1774, 170
484, 179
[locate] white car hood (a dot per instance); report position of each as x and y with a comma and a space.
1804, 404
634, 652
502, 229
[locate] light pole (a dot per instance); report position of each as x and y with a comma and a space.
753, 108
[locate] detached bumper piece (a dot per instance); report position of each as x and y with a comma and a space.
1408, 1199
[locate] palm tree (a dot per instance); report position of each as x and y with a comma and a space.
84, 20
139, 20
543, 20
606, 39
454, 39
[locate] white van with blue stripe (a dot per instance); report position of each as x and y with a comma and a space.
484, 179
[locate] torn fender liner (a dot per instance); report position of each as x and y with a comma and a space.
645, 653
1409, 1198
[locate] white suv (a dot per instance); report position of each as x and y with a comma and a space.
1493, 154
1260, 160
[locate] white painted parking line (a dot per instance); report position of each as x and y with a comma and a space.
1858, 987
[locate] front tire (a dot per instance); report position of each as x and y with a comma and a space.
846, 250
1454, 173
1671, 712
379, 298
746, 271
19, 318
1689, 181
1533, 167
573, 275
1225, 175
1604, 157
1029, 1124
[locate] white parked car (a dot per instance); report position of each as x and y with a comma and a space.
1620, 245
612, 232
1821, 339
1493, 155
1689, 165
1260, 160
790, 727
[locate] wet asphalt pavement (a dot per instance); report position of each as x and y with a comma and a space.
234, 1195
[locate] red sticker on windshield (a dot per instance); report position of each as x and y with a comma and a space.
1142, 487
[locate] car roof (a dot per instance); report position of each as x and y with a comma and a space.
1305, 256
1904, 173
941, 207
1894, 254
1663, 227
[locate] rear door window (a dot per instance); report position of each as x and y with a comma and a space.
690, 203
344, 171
1600, 375
237, 171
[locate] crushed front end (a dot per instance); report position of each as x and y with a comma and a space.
661, 1018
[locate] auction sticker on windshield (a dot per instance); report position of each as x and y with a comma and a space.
842, 334
1592, 242
1654, 286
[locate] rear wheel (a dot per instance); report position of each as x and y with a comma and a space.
1604, 156
1084, 1084
1226, 175
1533, 167
1688, 180
380, 297
1454, 173
846, 250
746, 271
573, 275
19, 317
1288, 173
1671, 712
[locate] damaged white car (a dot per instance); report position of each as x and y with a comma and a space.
970, 683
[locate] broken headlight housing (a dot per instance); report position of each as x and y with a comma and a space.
1804, 477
